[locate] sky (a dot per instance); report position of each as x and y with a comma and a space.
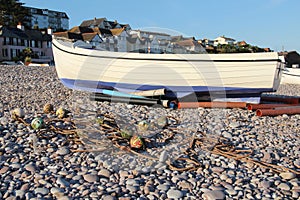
265, 23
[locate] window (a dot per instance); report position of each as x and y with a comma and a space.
18, 52
13, 53
4, 53
48, 44
5, 41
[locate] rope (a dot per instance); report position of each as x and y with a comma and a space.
111, 131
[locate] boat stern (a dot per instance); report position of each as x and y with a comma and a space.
278, 75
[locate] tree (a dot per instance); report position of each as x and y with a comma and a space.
26, 54
12, 12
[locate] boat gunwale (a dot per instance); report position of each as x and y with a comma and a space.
160, 59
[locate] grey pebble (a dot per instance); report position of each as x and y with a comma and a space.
295, 194
163, 156
91, 178
284, 186
227, 135
123, 173
109, 197
231, 192
163, 187
297, 163
15, 165
77, 177
217, 169
132, 182
20, 194
132, 189
234, 124
62, 197
4, 169
42, 191
30, 167
54, 190
265, 184
105, 173
213, 195
62, 182
287, 175
174, 194
63, 151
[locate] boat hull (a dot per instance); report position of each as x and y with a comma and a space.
179, 74
291, 76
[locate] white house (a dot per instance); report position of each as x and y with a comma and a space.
191, 46
44, 18
151, 41
223, 40
96, 22
92, 38
120, 35
207, 42
133, 42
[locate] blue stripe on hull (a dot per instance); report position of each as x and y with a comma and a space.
172, 91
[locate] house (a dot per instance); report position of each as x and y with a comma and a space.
191, 46
44, 18
97, 37
292, 58
207, 42
92, 38
242, 43
120, 35
103, 23
223, 40
15, 39
80, 29
210, 49
69, 35
87, 35
92, 23
267, 49
182, 44
133, 41
154, 42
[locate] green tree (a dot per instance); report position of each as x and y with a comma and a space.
26, 53
12, 12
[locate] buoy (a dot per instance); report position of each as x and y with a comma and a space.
48, 108
18, 113
136, 142
143, 125
126, 134
37, 123
61, 113
100, 119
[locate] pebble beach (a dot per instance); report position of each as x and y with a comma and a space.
37, 167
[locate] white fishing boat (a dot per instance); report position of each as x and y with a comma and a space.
291, 76
177, 75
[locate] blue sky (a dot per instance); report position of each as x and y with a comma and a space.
266, 23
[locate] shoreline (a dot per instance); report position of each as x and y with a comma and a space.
54, 171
